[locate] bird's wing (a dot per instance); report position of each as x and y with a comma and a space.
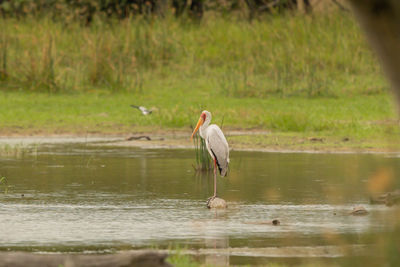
218, 147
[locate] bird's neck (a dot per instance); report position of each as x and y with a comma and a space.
203, 129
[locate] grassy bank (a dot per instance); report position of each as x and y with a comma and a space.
294, 75
367, 121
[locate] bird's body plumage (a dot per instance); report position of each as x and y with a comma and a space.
218, 147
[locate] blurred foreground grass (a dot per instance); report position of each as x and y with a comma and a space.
289, 74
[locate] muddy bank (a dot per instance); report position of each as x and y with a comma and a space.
181, 140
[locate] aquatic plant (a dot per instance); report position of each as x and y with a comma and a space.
178, 259
4, 183
17, 150
203, 158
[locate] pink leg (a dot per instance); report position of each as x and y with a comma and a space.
215, 185
215, 178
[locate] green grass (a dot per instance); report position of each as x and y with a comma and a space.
285, 55
4, 184
111, 113
179, 260
17, 150
289, 74
203, 158
368, 121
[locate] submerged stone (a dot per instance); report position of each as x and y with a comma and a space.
216, 203
276, 222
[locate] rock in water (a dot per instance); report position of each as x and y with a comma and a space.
359, 211
276, 222
216, 203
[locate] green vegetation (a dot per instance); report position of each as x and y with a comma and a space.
203, 158
17, 150
179, 260
364, 119
3, 182
289, 74
285, 56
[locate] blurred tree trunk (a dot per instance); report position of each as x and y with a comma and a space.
179, 6
381, 22
256, 7
160, 7
307, 6
197, 9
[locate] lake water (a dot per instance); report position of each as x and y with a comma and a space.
84, 198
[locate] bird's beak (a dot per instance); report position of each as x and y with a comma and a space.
199, 123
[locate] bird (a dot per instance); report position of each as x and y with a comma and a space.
144, 110
216, 145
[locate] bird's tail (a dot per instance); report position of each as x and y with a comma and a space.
223, 171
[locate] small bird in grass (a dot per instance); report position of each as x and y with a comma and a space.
144, 110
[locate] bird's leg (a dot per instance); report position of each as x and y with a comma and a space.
215, 178
215, 185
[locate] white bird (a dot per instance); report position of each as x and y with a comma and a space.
216, 145
144, 110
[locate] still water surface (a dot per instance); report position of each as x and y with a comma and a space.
92, 198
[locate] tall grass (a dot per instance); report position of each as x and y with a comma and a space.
203, 158
4, 183
17, 150
285, 55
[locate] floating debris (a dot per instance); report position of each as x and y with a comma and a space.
359, 211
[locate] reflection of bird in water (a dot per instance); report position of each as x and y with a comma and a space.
216, 145
144, 110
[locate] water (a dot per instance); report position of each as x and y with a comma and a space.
87, 198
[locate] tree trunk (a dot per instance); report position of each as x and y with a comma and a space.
381, 22
126, 259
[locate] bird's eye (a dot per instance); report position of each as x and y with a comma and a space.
203, 116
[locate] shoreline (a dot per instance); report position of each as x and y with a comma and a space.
180, 140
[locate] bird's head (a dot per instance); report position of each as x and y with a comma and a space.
205, 115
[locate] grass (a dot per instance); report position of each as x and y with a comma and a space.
292, 75
17, 150
4, 183
286, 55
203, 158
179, 260
365, 119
